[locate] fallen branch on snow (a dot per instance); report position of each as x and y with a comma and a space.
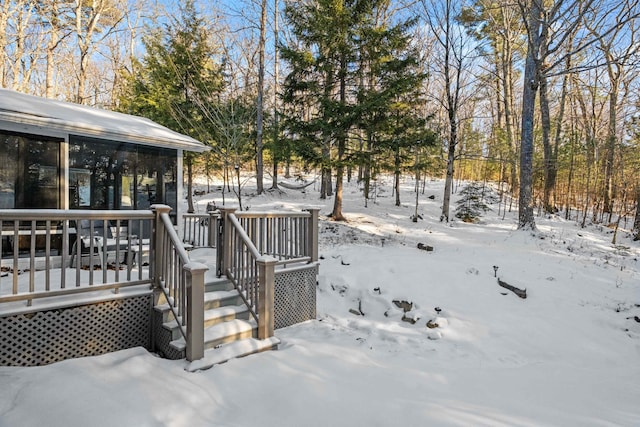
424, 247
520, 292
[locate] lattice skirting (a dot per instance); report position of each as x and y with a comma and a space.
162, 337
295, 295
44, 337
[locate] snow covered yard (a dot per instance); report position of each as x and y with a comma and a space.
567, 355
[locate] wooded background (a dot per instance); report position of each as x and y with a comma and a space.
539, 97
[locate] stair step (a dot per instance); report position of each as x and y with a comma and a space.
225, 314
219, 284
215, 304
222, 333
221, 298
232, 350
165, 309
215, 316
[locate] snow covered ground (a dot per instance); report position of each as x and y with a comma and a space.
567, 355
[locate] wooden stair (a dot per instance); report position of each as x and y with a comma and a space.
230, 330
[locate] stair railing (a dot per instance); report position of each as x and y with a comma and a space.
251, 273
250, 247
181, 281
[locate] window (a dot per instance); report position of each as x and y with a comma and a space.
29, 172
111, 175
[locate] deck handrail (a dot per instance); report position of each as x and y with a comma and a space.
181, 281
109, 257
252, 244
252, 274
200, 230
289, 237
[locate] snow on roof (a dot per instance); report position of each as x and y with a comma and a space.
44, 116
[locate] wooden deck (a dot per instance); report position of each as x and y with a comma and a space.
168, 282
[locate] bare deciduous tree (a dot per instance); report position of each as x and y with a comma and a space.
455, 49
94, 21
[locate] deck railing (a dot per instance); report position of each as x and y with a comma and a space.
181, 281
284, 236
48, 252
106, 251
250, 247
200, 230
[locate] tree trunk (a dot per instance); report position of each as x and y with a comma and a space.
239, 194
337, 200
452, 112
259, 102
85, 42
4, 20
507, 83
397, 175
636, 222
342, 145
49, 86
567, 213
553, 173
276, 77
549, 161
590, 151
21, 25
325, 179
610, 148
82, 78
448, 183
325, 186
530, 89
189, 161
52, 45
417, 172
367, 168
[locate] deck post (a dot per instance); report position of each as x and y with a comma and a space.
213, 228
158, 242
266, 296
223, 249
312, 238
195, 310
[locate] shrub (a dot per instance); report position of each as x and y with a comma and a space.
471, 205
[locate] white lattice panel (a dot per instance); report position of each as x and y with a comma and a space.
295, 296
45, 337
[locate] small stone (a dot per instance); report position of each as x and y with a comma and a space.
432, 324
410, 320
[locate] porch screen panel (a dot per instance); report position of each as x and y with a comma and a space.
112, 175
29, 172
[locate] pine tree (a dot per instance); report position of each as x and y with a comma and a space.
390, 98
177, 77
350, 73
317, 85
